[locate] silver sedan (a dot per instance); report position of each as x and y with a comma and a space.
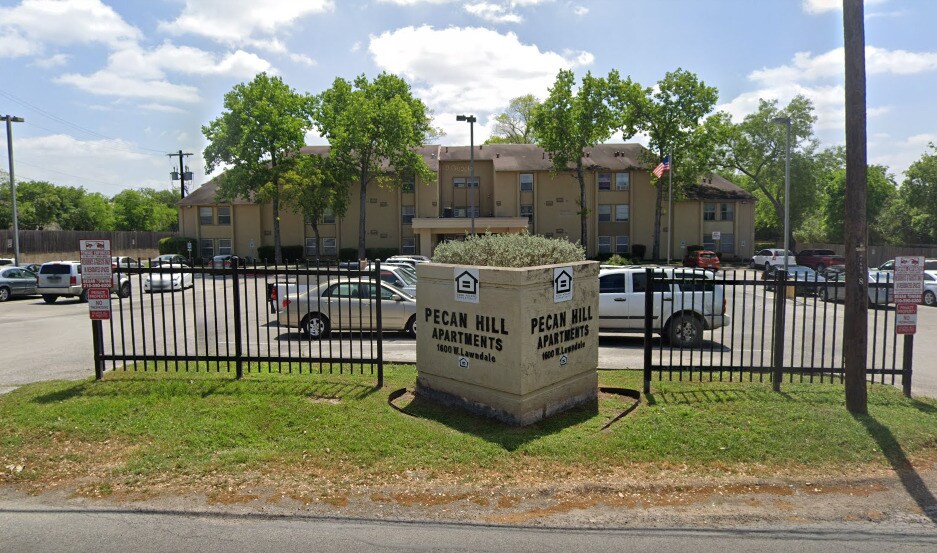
15, 281
169, 281
348, 305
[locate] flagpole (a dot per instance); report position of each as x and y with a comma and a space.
670, 208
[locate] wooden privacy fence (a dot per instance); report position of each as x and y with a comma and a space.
66, 241
878, 254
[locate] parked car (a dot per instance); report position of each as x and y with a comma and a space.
881, 287
16, 281
929, 297
772, 257
929, 265
806, 281
63, 278
170, 280
124, 262
682, 309
704, 259
412, 260
399, 278
6, 261
225, 261
347, 305
819, 260
31, 267
168, 258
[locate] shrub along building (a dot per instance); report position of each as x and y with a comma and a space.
513, 190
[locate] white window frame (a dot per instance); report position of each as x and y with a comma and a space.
463, 182
727, 212
622, 244
223, 216
329, 246
604, 244
202, 218
311, 246
627, 214
619, 185
605, 213
527, 186
328, 217
709, 212
601, 180
408, 245
224, 249
202, 243
407, 213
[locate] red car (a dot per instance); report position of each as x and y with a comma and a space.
703, 259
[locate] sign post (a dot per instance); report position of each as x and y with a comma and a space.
97, 279
909, 285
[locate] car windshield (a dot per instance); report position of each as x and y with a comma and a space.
405, 276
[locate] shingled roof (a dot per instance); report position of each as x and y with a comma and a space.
715, 187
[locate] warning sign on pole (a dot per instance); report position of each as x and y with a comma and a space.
95, 263
99, 303
909, 285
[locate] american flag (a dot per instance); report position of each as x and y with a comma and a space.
663, 166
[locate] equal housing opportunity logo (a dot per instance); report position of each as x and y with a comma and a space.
466, 285
562, 284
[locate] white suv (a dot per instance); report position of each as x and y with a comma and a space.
772, 257
63, 278
682, 309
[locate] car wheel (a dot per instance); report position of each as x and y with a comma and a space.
48, 298
411, 327
124, 291
930, 298
315, 326
752, 264
685, 331
4, 293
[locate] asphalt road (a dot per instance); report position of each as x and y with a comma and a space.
31, 526
46, 342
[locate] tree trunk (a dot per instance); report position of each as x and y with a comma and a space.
583, 211
855, 328
363, 199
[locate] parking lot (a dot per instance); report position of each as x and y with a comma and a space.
53, 341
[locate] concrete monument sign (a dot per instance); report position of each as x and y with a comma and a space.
516, 344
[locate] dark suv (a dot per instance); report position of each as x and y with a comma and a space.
819, 260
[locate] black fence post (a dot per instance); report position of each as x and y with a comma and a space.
97, 337
780, 307
380, 325
236, 291
648, 331
906, 366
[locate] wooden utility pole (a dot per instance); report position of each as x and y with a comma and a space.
856, 306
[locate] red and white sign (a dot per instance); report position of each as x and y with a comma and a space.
95, 263
99, 303
909, 285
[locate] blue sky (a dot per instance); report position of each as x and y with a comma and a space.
108, 87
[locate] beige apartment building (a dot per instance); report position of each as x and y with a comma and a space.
513, 190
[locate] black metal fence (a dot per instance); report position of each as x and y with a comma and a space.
243, 318
747, 325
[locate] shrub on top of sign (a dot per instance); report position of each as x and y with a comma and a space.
508, 250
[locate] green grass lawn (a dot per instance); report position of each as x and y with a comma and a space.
139, 426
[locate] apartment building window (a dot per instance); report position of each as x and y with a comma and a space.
622, 243
605, 213
463, 212
407, 182
605, 181
408, 245
206, 247
205, 216
709, 212
528, 211
727, 212
605, 244
406, 214
527, 182
224, 246
311, 247
622, 213
224, 216
328, 246
622, 181
726, 243
463, 182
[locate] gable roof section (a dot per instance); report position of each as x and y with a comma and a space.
716, 187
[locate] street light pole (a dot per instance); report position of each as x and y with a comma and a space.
16, 226
787, 187
471, 121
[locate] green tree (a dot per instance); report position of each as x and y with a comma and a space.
39, 205
87, 211
754, 151
264, 122
513, 126
373, 127
674, 117
882, 191
144, 209
568, 122
313, 185
912, 216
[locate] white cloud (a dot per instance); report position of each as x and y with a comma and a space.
493, 13
53, 61
106, 83
581, 11
898, 154
65, 22
414, 2
468, 70
807, 67
241, 21
356, 47
162, 107
301, 58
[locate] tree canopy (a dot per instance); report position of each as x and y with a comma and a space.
513, 126
264, 122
